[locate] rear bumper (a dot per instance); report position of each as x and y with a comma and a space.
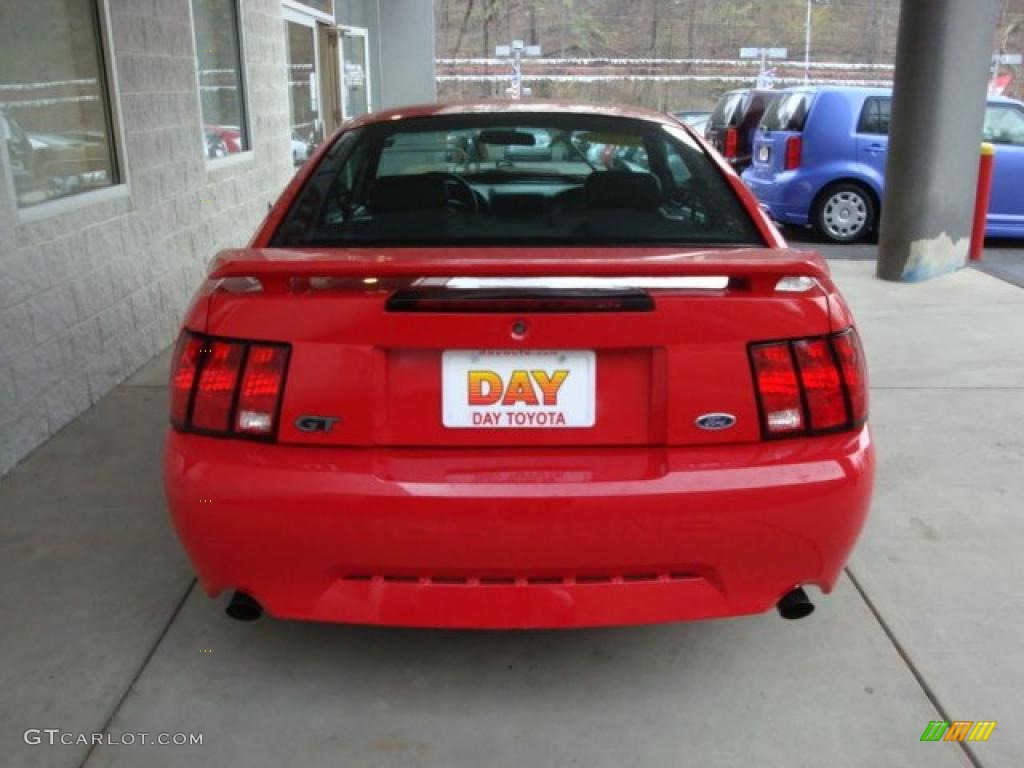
511, 538
786, 200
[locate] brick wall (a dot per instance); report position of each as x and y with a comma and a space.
89, 295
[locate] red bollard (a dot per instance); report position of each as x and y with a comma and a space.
981, 201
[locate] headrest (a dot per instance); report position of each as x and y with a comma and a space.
407, 193
622, 189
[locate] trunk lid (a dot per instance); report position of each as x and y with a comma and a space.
388, 341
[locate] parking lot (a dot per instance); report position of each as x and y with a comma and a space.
925, 625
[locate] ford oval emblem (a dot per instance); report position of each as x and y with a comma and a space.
716, 421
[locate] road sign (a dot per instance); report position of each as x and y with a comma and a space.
1010, 59
768, 53
516, 51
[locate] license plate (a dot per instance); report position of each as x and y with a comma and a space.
763, 153
517, 389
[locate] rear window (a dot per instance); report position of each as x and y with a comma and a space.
506, 179
727, 110
874, 117
787, 112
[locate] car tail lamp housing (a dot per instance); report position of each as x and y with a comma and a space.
227, 387
811, 386
732, 139
794, 152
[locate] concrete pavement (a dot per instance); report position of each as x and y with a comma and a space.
941, 558
90, 573
104, 631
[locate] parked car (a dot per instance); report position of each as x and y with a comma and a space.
441, 390
819, 160
732, 124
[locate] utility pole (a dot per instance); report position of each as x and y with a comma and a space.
808, 25
807, 45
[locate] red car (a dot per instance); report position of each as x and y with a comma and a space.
442, 387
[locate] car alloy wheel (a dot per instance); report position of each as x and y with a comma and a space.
845, 215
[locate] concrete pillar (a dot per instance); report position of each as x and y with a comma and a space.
943, 57
406, 52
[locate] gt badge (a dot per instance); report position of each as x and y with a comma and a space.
316, 423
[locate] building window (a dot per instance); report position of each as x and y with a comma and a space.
54, 103
221, 84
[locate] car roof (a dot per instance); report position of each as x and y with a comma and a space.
847, 89
499, 106
864, 90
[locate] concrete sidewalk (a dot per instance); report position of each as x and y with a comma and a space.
104, 630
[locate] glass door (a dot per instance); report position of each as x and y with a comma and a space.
303, 86
356, 97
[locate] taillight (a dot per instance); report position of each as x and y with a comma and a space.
853, 369
183, 375
227, 386
732, 141
810, 386
794, 149
261, 388
777, 387
820, 380
215, 388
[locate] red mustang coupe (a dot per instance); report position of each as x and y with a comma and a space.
456, 381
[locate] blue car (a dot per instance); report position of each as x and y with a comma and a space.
819, 160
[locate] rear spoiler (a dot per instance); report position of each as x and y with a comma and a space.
278, 266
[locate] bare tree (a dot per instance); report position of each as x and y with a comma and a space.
462, 28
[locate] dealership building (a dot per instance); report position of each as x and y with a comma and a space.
141, 136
